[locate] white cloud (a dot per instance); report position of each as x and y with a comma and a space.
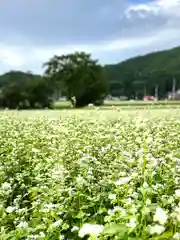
23, 57
158, 7
11, 56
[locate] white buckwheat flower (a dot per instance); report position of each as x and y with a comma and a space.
123, 180
160, 216
176, 236
10, 209
22, 225
74, 229
42, 234
110, 212
145, 185
6, 185
156, 229
132, 223
90, 229
176, 213
177, 192
112, 196
57, 223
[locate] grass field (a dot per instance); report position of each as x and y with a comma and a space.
126, 104
74, 174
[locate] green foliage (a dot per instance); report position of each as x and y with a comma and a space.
102, 174
77, 75
24, 90
140, 75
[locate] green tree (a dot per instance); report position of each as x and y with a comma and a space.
79, 76
24, 90
11, 96
39, 93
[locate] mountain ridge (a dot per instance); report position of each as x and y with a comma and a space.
139, 75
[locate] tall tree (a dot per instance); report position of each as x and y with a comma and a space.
79, 76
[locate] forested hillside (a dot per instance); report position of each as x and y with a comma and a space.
140, 75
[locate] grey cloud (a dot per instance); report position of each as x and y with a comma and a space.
62, 21
66, 22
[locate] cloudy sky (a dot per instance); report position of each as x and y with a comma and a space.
31, 31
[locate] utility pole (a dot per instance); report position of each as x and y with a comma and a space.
174, 89
145, 92
156, 92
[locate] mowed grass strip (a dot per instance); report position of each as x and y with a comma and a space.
59, 105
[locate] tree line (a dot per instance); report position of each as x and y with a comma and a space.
24, 90
83, 80
77, 76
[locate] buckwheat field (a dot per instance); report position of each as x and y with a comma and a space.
90, 174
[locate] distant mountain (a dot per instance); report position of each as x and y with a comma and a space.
140, 75
16, 76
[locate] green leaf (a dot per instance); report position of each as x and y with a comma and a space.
65, 226
165, 235
80, 215
115, 228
